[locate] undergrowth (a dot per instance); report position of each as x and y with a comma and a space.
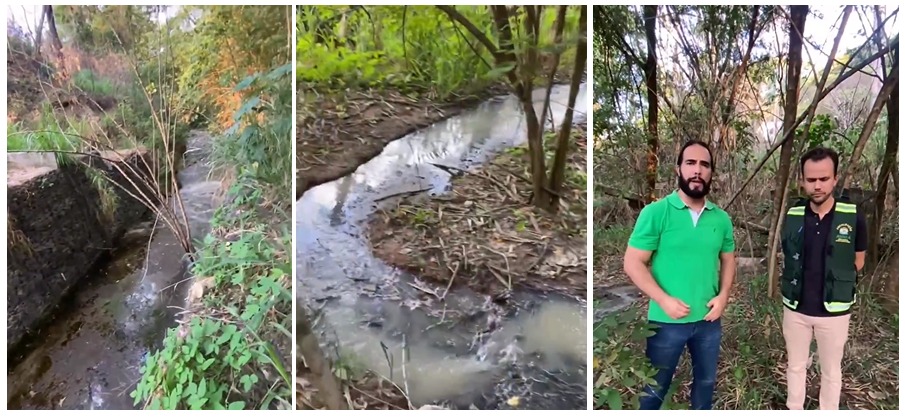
751, 374
91, 83
232, 352
259, 140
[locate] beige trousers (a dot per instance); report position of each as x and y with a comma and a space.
831, 334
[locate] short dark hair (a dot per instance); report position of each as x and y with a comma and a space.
681, 156
818, 154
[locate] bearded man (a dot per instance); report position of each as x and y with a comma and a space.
681, 254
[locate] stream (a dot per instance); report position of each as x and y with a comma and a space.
89, 356
465, 351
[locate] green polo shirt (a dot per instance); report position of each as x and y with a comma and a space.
686, 257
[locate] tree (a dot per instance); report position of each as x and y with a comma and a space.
47, 11
650, 77
521, 66
889, 160
797, 17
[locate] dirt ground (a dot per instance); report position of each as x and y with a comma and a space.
337, 133
487, 236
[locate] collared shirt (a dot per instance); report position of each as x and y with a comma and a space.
685, 259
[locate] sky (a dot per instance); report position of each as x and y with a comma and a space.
823, 31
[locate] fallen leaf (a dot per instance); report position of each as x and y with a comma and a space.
514, 401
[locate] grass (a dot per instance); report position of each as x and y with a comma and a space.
91, 83
751, 373
46, 137
109, 200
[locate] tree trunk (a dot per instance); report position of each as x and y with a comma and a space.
558, 171
798, 14
557, 39
54, 36
891, 83
536, 155
39, 32
889, 160
650, 78
324, 379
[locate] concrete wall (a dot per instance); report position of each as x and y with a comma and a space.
57, 233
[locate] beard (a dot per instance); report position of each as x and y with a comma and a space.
685, 186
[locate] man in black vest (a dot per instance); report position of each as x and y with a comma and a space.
823, 243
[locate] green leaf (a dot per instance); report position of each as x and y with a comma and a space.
614, 400
237, 405
282, 329
499, 71
207, 364
246, 82
280, 71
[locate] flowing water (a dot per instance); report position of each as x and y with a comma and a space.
89, 356
464, 351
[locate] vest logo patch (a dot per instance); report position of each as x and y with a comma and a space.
843, 234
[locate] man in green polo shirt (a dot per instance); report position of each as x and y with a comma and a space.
681, 254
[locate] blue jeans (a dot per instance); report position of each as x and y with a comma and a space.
666, 347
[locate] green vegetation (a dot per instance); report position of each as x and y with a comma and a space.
413, 48
618, 339
262, 148
233, 352
91, 83
718, 76
43, 138
122, 80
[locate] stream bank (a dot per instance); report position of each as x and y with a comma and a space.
89, 356
339, 132
462, 350
60, 224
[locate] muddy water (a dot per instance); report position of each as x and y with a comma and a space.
89, 356
463, 350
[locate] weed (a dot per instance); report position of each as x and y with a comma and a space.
422, 217
228, 355
47, 137
620, 371
109, 200
91, 83
612, 239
